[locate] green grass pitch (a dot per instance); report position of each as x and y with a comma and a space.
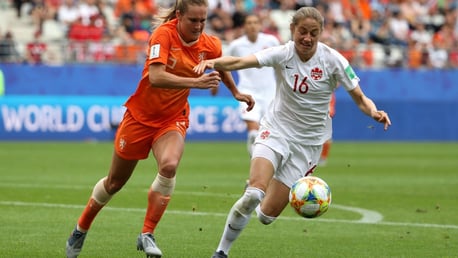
389, 200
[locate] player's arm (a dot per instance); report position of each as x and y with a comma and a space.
368, 107
227, 63
228, 80
159, 77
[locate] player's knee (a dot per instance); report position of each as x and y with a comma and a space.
113, 186
168, 167
263, 218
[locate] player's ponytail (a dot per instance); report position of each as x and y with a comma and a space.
167, 14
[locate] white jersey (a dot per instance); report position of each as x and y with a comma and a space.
259, 82
300, 110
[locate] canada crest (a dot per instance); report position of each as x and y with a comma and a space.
265, 134
316, 73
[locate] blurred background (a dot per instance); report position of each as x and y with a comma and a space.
66, 66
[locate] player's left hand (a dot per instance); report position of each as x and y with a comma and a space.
248, 99
203, 65
382, 117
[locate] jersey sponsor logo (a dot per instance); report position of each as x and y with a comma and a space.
175, 48
350, 73
288, 67
154, 51
316, 73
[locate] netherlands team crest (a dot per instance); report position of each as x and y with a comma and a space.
316, 73
202, 56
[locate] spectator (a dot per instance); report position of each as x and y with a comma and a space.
420, 35
453, 57
35, 50
238, 18
336, 12
220, 19
281, 18
135, 15
380, 31
360, 27
399, 27
438, 56
87, 11
8, 50
415, 10
67, 14
225, 6
416, 54
41, 11
106, 17
18, 6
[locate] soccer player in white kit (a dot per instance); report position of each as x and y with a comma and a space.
258, 82
297, 123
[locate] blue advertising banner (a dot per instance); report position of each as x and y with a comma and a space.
84, 102
96, 118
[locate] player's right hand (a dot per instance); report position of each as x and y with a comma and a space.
208, 81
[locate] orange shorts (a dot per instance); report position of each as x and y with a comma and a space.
134, 140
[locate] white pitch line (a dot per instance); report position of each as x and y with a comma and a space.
194, 213
367, 216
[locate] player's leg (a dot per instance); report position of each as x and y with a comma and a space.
128, 150
252, 132
274, 202
167, 150
104, 189
325, 152
261, 172
252, 123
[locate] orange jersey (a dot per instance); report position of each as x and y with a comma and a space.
155, 106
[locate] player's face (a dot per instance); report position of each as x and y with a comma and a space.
192, 23
306, 34
252, 26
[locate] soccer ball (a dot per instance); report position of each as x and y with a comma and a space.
310, 196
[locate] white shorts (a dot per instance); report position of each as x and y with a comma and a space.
290, 160
258, 111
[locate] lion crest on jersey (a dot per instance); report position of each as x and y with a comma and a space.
202, 56
316, 73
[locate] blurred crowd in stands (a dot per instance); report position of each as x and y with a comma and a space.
370, 33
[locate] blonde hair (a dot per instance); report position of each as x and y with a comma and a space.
167, 14
308, 12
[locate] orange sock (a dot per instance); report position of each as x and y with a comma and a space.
325, 151
157, 203
89, 213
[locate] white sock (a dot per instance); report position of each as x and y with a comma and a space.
239, 216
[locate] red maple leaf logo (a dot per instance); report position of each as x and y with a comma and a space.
316, 73
265, 134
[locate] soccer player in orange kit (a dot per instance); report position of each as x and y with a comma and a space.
156, 118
